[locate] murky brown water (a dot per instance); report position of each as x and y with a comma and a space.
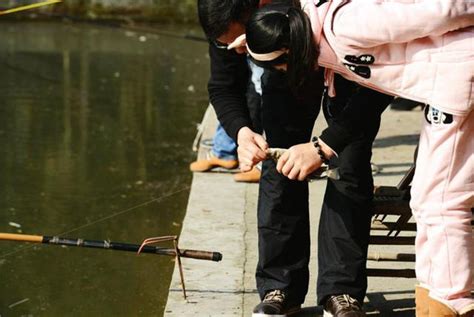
94, 122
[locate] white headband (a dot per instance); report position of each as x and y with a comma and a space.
267, 56
241, 42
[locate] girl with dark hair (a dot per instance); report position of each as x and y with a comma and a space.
419, 50
277, 28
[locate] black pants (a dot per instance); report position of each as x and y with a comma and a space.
344, 225
283, 216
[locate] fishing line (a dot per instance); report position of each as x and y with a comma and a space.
127, 25
121, 212
121, 23
29, 6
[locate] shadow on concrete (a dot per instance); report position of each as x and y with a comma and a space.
394, 173
315, 311
408, 139
377, 305
393, 169
391, 165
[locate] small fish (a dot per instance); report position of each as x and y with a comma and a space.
323, 171
275, 153
14, 224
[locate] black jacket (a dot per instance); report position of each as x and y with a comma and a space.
227, 89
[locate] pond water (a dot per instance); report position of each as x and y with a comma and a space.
96, 127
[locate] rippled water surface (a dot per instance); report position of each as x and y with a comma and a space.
96, 126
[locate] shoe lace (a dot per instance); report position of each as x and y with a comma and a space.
275, 296
345, 301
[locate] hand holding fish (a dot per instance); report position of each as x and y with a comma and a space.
301, 162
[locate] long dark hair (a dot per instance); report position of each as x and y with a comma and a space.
278, 26
216, 16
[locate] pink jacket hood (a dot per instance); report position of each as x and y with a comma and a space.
417, 49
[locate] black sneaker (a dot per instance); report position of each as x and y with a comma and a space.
275, 304
342, 306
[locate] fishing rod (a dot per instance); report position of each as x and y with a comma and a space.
145, 247
110, 23
29, 6
110, 245
125, 24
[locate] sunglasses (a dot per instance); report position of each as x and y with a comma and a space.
220, 45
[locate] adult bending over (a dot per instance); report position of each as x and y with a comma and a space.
421, 50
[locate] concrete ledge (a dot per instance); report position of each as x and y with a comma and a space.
216, 224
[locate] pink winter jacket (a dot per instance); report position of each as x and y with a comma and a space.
417, 49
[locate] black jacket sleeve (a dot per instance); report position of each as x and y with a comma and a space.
351, 112
336, 137
343, 123
227, 89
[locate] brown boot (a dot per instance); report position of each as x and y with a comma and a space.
439, 309
210, 162
252, 176
421, 301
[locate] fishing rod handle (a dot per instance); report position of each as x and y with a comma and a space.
120, 246
201, 255
185, 253
21, 237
